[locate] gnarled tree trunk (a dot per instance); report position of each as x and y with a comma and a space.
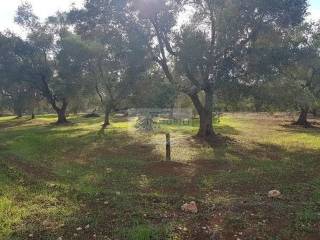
61, 112
107, 112
303, 118
62, 119
106, 122
52, 99
205, 112
206, 127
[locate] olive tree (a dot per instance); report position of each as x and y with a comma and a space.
48, 59
223, 43
118, 52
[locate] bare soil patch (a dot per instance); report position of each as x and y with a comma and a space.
30, 170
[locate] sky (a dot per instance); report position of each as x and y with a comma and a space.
45, 8
42, 8
314, 9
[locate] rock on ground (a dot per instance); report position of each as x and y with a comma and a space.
190, 207
274, 194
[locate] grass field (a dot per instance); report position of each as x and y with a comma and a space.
56, 180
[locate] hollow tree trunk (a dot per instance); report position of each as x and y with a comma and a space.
303, 118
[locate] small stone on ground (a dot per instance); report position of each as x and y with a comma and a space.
274, 194
190, 207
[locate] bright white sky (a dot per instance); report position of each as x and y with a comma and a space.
42, 8
45, 8
315, 9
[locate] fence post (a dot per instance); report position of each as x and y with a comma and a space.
168, 147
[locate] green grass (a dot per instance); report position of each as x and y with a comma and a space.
55, 179
145, 232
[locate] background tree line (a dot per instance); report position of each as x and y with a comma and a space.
214, 55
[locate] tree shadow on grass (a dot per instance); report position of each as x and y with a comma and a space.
313, 130
226, 130
241, 175
268, 159
117, 182
238, 179
15, 122
108, 166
